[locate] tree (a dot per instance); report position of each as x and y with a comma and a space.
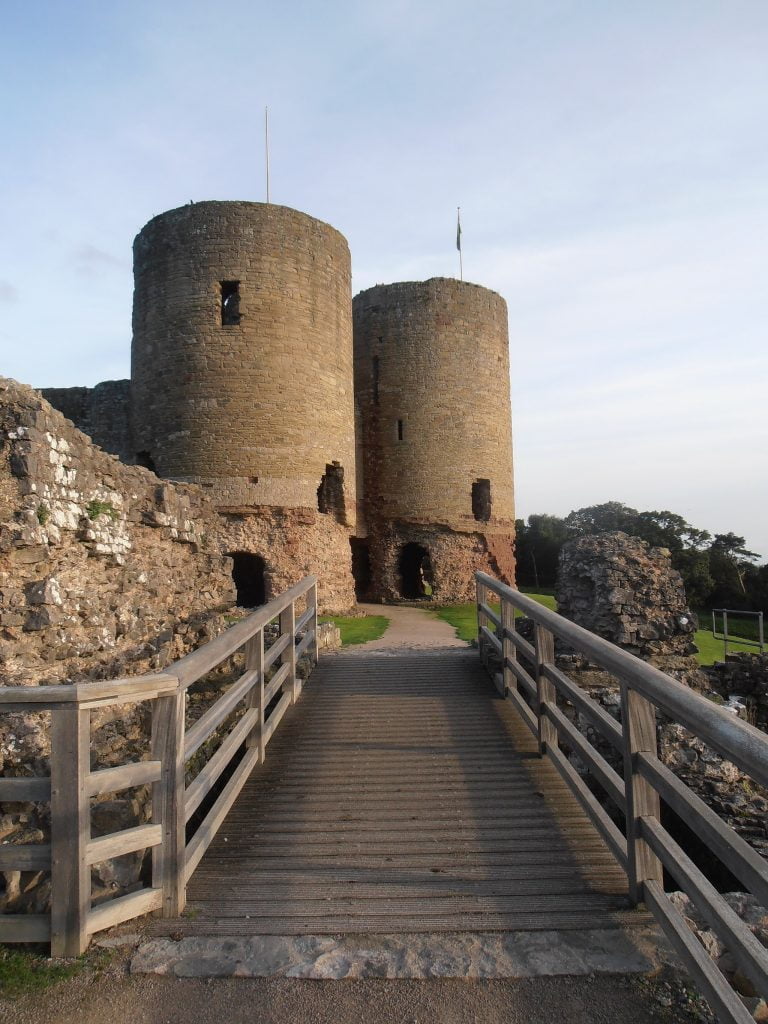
612, 515
730, 562
537, 548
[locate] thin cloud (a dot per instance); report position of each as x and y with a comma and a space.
8, 293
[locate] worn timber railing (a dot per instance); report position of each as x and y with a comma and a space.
261, 696
543, 695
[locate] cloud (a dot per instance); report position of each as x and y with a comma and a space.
90, 260
8, 293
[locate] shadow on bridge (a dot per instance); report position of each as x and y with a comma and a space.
402, 794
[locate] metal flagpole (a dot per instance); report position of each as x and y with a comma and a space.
458, 242
266, 144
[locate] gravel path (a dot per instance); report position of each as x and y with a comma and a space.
413, 629
603, 999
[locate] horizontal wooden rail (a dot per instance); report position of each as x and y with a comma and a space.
259, 699
646, 847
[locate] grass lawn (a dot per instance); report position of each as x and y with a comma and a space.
463, 617
22, 972
358, 630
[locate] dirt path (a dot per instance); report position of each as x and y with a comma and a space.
413, 629
599, 999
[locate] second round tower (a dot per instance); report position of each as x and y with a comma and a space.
432, 387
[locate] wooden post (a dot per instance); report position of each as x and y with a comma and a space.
254, 662
168, 859
639, 728
70, 830
508, 649
312, 600
546, 693
481, 622
288, 625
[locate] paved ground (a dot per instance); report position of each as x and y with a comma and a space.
409, 628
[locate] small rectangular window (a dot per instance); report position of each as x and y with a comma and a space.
399, 430
230, 303
481, 500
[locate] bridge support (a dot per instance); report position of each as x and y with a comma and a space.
639, 730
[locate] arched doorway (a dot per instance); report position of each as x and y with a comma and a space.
415, 572
248, 576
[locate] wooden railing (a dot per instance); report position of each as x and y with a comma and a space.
543, 695
262, 694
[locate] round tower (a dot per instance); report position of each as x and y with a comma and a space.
432, 387
241, 378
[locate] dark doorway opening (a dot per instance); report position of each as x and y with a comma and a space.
361, 567
415, 572
248, 576
145, 459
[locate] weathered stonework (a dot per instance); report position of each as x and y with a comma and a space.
105, 571
261, 406
743, 678
432, 387
628, 593
101, 412
294, 543
242, 382
101, 565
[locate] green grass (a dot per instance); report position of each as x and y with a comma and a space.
358, 630
711, 649
463, 617
23, 973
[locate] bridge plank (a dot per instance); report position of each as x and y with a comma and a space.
403, 794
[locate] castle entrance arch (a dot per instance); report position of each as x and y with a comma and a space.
415, 570
248, 576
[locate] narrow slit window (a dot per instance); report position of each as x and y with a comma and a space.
375, 380
481, 500
399, 430
230, 303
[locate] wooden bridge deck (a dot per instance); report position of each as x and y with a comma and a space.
401, 794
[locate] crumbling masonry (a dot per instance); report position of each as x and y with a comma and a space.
385, 468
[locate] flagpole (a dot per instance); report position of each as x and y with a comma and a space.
458, 242
266, 145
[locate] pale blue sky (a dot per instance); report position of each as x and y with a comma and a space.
610, 159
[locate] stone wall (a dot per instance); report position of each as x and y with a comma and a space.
454, 558
293, 544
104, 569
263, 404
743, 679
432, 387
627, 592
101, 412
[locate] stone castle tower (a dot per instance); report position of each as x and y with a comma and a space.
432, 386
242, 382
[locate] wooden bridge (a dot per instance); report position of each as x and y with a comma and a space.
418, 792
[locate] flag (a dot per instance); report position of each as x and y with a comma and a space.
458, 230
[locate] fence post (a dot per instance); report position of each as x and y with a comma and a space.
638, 718
544, 643
70, 830
481, 595
312, 599
254, 662
508, 649
288, 625
169, 857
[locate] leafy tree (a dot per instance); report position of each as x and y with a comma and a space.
538, 549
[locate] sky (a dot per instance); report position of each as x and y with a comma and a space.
610, 159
